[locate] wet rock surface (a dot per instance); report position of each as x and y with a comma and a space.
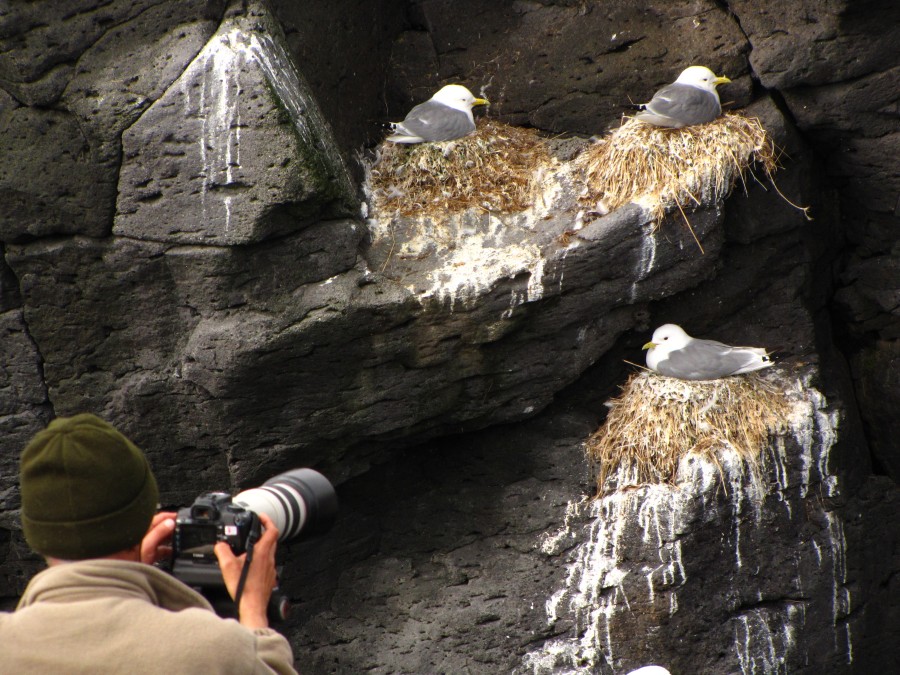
183, 253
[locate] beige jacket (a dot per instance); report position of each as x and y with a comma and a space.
112, 616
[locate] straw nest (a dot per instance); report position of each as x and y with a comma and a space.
493, 169
668, 168
658, 420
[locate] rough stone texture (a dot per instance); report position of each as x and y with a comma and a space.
100, 66
835, 64
306, 337
121, 74
350, 90
152, 330
876, 370
23, 400
39, 42
235, 151
564, 67
451, 574
23, 395
639, 579
574, 67
49, 181
870, 296
444, 575
160, 305
811, 43
24, 410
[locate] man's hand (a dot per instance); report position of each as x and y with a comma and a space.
157, 543
261, 578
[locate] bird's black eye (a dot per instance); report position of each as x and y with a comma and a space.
666, 338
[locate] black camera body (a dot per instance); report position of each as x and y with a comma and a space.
213, 517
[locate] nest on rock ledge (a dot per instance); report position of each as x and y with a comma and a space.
657, 420
494, 169
666, 168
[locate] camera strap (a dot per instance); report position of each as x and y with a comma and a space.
251, 542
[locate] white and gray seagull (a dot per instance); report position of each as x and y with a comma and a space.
444, 117
674, 353
691, 99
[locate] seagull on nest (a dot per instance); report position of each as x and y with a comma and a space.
444, 117
674, 353
691, 99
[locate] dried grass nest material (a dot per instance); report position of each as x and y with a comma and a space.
658, 420
494, 168
675, 167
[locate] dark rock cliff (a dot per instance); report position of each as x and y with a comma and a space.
185, 251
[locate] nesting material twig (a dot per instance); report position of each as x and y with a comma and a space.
493, 169
658, 420
666, 168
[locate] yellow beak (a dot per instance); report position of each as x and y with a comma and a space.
481, 101
648, 345
721, 80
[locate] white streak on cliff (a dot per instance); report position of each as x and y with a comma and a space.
554, 543
815, 429
647, 258
841, 600
218, 109
779, 461
475, 250
764, 639
594, 589
217, 72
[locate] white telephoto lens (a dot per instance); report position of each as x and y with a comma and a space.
282, 503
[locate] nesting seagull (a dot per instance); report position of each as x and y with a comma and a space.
691, 99
445, 116
674, 353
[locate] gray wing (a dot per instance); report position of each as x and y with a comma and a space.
432, 121
710, 360
681, 105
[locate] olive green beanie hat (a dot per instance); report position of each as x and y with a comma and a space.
87, 491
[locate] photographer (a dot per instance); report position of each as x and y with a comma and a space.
89, 504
